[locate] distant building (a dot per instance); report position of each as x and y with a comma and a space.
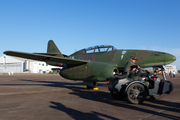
21, 65
10, 64
171, 68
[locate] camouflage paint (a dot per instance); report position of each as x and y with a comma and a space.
96, 66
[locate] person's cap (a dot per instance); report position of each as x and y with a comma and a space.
133, 57
134, 66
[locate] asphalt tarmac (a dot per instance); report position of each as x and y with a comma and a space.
51, 97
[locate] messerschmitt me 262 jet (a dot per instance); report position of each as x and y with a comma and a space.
95, 64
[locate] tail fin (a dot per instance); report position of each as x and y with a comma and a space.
53, 50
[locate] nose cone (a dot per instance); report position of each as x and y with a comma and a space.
169, 58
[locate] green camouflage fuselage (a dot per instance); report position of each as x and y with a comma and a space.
95, 63
102, 64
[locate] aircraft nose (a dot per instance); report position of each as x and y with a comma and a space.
169, 58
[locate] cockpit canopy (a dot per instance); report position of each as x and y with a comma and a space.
100, 48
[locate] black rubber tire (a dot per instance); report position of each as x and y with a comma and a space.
157, 97
136, 93
171, 87
89, 88
117, 96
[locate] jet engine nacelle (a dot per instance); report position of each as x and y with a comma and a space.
91, 71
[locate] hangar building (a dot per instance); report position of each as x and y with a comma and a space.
21, 65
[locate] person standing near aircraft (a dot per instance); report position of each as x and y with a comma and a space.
170, 74
174, 74
129, 64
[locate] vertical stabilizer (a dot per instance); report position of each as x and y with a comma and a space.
52, 49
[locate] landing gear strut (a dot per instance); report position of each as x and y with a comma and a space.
91, 85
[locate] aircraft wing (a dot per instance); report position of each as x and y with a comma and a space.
46, 58
51, 54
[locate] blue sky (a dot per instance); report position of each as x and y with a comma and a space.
27, 25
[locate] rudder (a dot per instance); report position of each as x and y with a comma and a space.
52, 49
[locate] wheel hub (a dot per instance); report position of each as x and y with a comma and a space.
136, 93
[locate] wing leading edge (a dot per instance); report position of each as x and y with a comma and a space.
46, 58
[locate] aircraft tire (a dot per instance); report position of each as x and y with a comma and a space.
89, 88
136, 93
117, 96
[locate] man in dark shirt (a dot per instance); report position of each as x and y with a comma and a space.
129, 64
135, 73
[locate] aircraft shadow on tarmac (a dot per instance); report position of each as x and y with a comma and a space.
105, 97
55, 84
78, 115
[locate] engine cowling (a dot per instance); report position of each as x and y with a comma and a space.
90, 71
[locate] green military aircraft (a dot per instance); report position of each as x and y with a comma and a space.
96, 63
